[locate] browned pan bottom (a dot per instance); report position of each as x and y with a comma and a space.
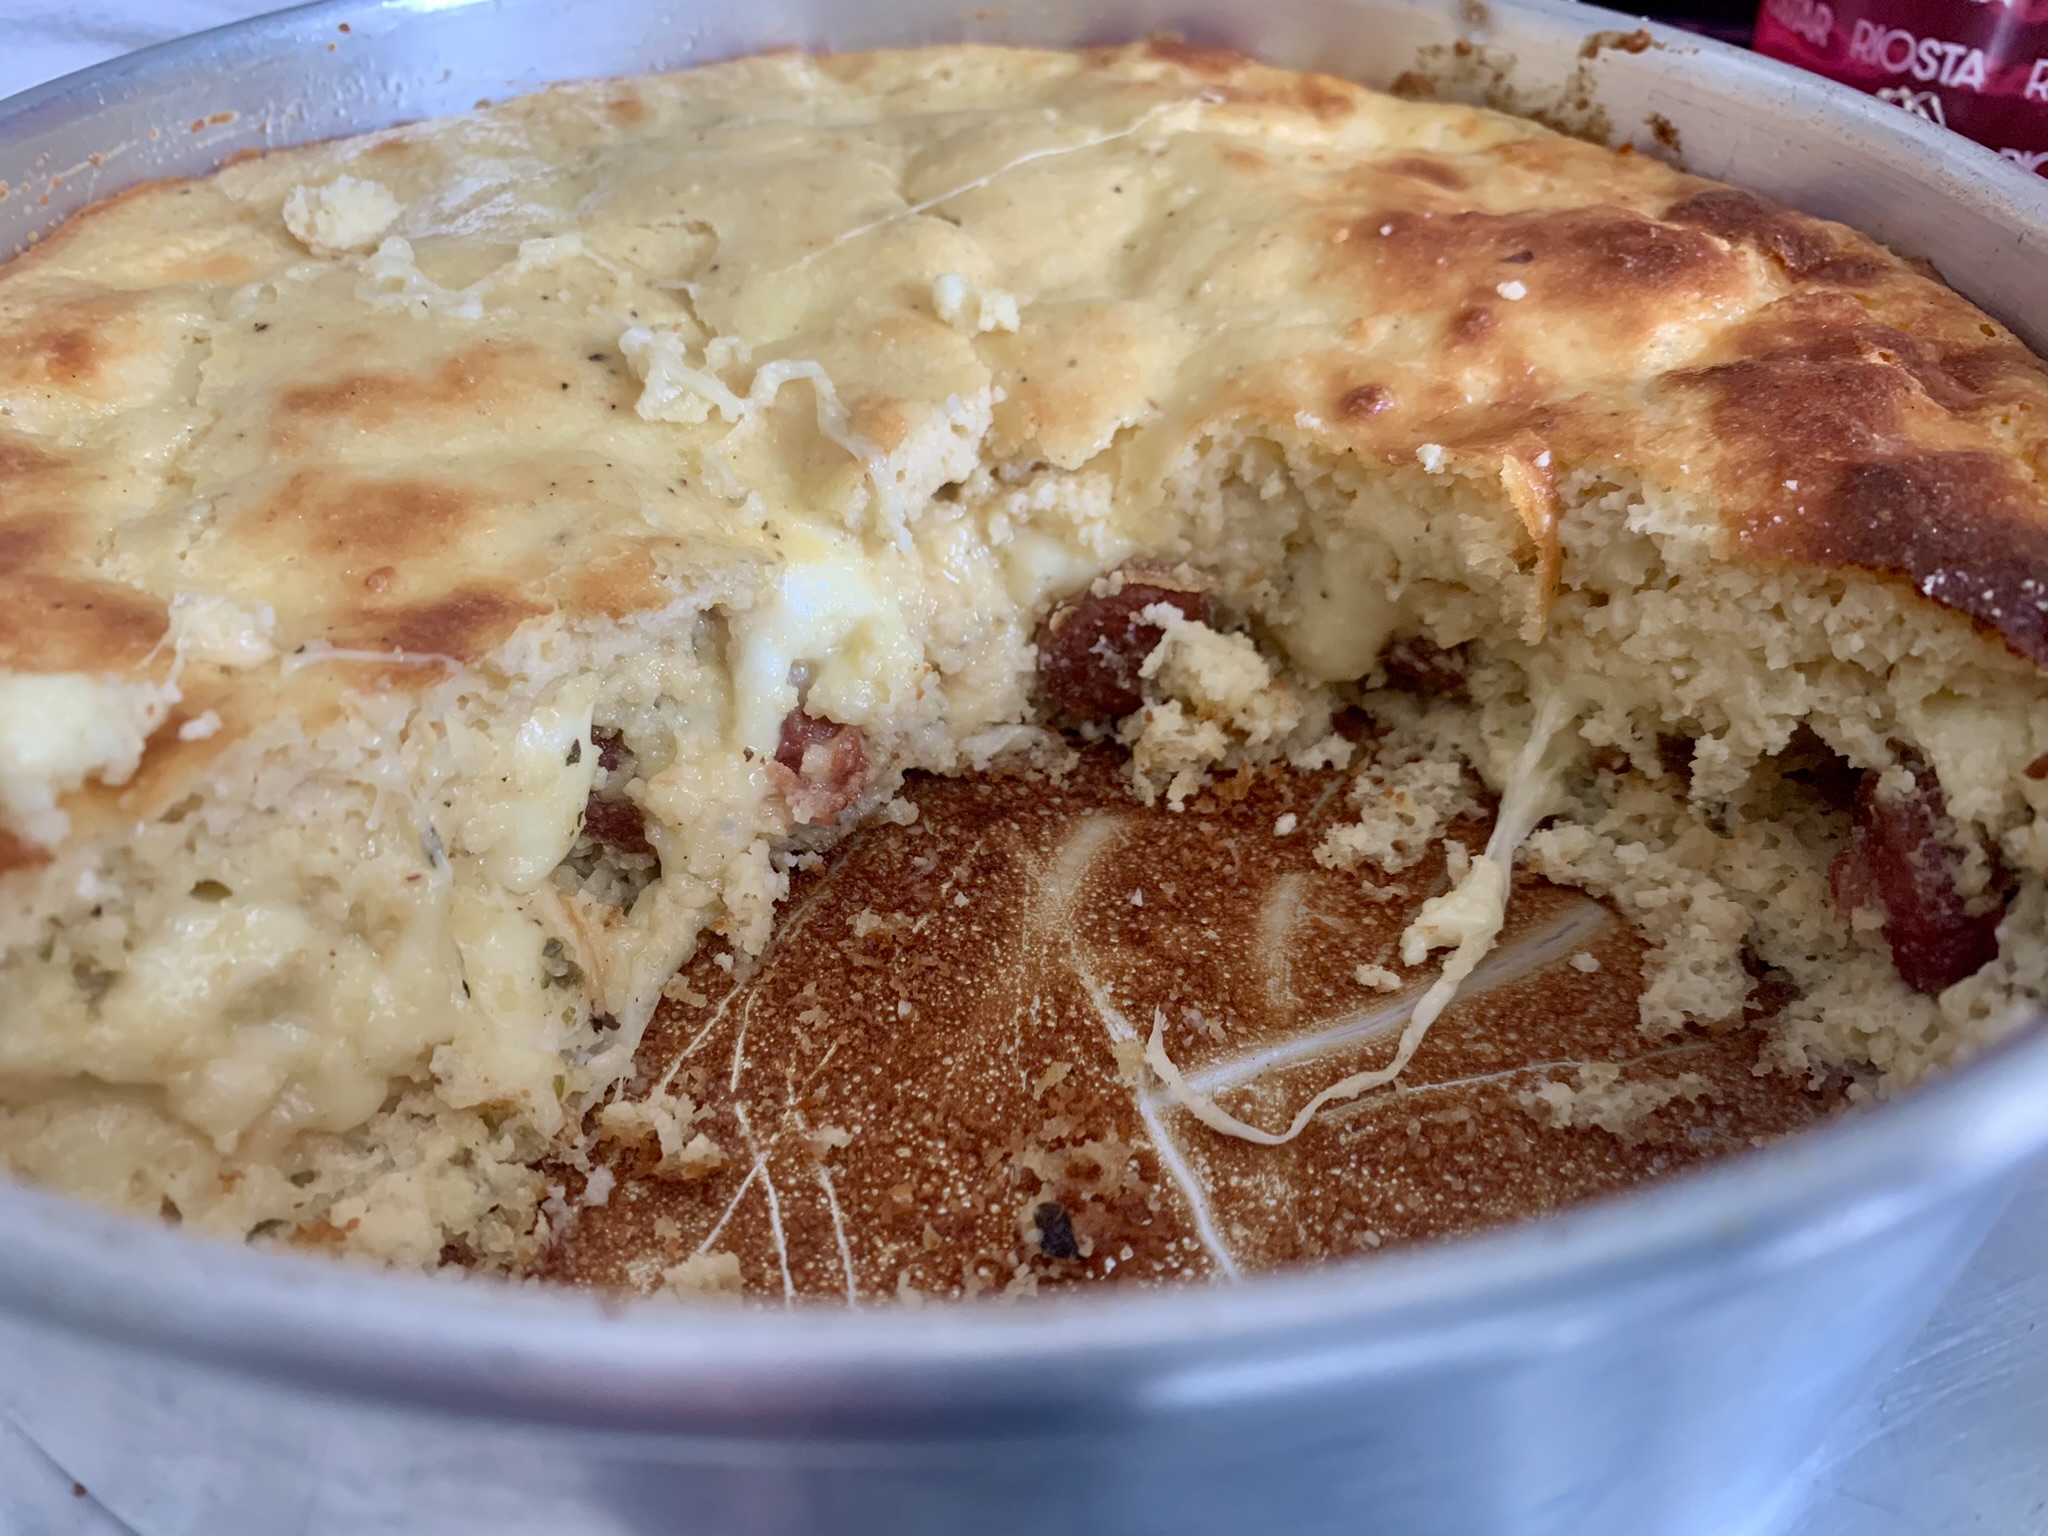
929, 1085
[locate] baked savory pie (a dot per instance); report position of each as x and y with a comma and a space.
451, 573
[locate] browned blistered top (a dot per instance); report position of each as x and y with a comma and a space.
427, 451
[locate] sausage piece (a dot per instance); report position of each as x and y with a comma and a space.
611, 748
1901, 860
617, 823
820, 766
612, 819
1091, 646
1417, 664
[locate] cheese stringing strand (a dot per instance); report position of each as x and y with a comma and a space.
1484, 891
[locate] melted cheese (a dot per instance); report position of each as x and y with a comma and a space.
527, 805
680, 391
1467, 919
391, 279
972, 308
222, 631
57, 729
1340, 613
831, 618
342, 215
253, 1004
507, 1040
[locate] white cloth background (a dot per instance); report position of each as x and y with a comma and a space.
41, 39
1955, 1443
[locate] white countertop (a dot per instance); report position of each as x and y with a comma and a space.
1955, 1442
41, 39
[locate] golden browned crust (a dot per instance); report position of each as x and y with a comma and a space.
395, 478
1888, 450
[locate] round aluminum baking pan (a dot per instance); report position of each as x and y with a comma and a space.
1654, 1365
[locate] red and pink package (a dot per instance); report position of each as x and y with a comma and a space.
1977, 66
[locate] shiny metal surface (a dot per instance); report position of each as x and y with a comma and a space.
1948, 1445
1663, 1363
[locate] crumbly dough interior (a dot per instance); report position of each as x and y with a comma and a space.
458, 474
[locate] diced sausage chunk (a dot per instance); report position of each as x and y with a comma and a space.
1902, 860
617, 823
1091, 645
1417, 664
611, 748
608, 816
820, 766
